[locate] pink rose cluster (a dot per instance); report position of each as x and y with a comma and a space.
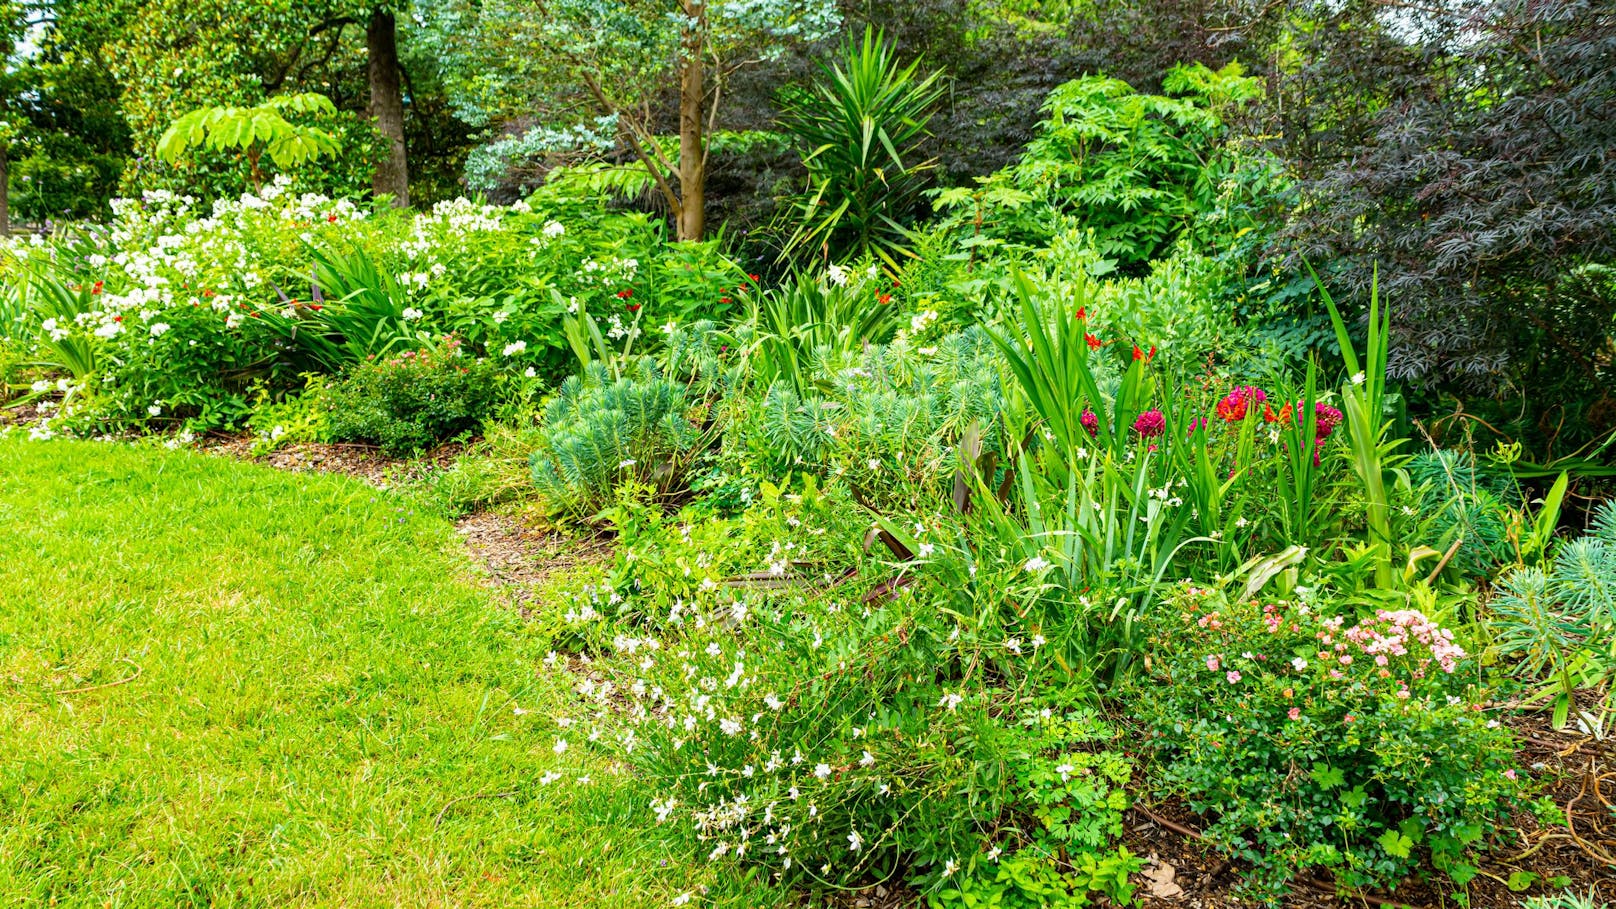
1392, 634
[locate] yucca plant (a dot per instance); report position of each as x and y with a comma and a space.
860, 124
808, 324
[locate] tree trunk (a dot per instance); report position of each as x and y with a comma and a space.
387, 106
5, 193
692, 151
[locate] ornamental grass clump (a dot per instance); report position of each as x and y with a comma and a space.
1318, 744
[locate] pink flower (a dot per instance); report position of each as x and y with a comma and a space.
1212, 663
1509, 774
1090, 422
1233, 676
1151, 423
1294, 713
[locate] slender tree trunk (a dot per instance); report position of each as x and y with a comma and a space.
692, 157
387, 106
5, 193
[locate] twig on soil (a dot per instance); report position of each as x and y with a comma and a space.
1176, 828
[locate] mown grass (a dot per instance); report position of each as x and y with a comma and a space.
226, 686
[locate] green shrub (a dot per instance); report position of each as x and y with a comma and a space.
414, 400
1559, 618
1312, 743
303, 417
600, 434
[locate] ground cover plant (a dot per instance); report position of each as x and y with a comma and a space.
999, 495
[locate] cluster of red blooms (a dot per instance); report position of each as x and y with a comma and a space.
1232, 409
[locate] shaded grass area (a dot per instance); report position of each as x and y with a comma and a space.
226, 686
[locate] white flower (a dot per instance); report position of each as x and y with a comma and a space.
854, 842
514, 348
1358, 378
560, 746
531, 372
553, 229
926, 549
950, 867
155, 410
669, 328
500, 317
1299, 664
682, 898
411, 314
1065, 771
1036, 564
994, 853
837, 275
950, 701
158, 329
41, 386
868, 760
822, 770
625, 464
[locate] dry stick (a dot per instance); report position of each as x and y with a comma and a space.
466, 798
123, 681
1176, 828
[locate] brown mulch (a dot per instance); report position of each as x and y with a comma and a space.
520, 559
364, 462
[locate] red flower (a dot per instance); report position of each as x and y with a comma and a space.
1093, 342
624, 294
634, 307
97, 288
1082, 313
723, 299
117, 318
1283, 417
884, 299
331, 218
753, 277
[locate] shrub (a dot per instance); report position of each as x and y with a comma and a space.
414, 400
303, 417
601, 433
787, 722
1559, 619
1315, 743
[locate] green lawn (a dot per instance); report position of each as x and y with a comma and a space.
226, 686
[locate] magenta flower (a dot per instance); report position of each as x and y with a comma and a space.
1151, 423
1327, 418
1090, 421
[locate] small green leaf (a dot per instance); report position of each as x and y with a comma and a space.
1327, 776
1395, 843
1521, 881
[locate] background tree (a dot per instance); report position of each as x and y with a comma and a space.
644, 63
